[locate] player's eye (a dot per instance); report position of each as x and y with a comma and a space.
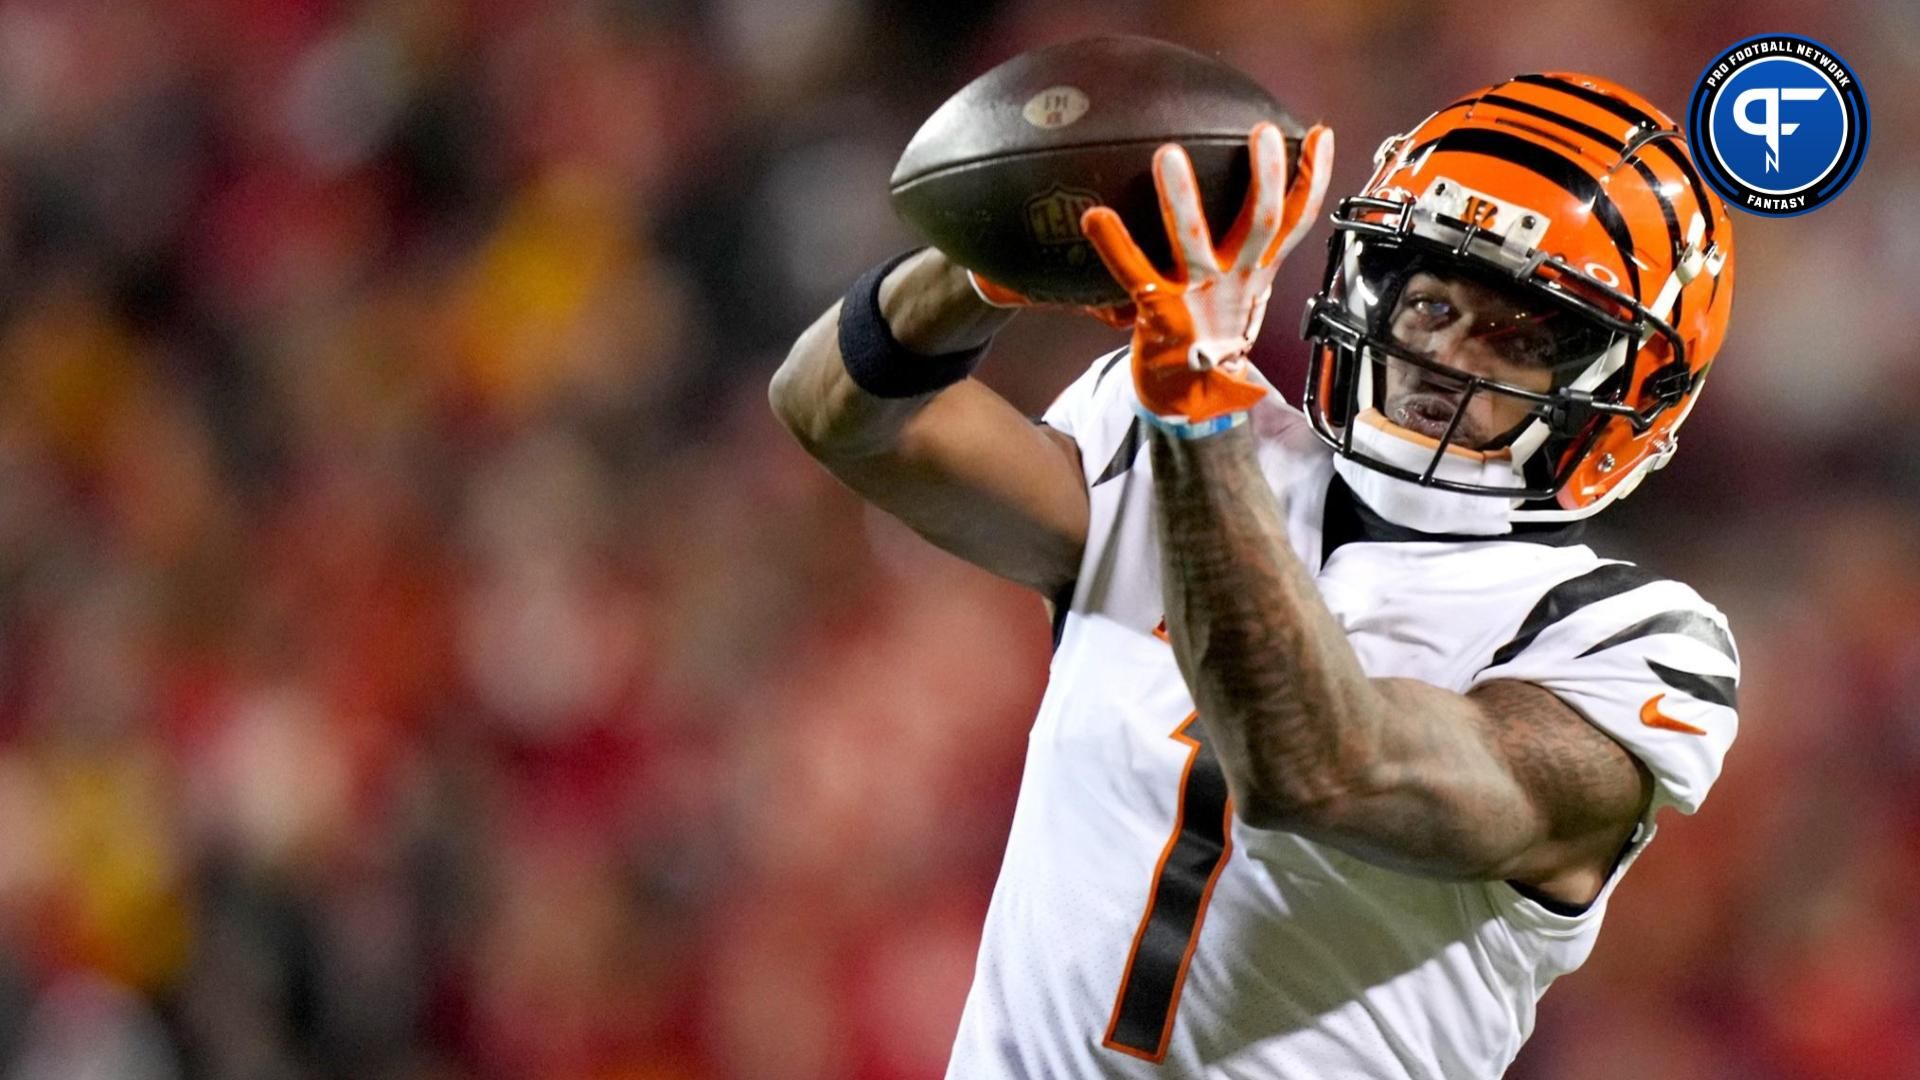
1431, 311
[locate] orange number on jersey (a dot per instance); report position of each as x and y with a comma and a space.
1176, 904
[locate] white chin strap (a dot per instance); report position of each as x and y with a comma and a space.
1426, 509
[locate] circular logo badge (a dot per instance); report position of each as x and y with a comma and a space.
1056, 107
1778, 124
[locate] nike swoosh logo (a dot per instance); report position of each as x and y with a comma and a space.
1651, 716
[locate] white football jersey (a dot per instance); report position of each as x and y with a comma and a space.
1138, 929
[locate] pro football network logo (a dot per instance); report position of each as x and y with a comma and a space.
1778, 124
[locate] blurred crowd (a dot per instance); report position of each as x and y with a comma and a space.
422, 657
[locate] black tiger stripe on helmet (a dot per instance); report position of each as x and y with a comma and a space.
1671, 149
1560, 170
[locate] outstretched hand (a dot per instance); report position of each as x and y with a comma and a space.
1193, 330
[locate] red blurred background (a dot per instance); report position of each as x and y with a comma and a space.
423, 656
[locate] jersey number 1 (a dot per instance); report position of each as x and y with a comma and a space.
1176, 904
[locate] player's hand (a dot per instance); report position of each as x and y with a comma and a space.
1194, 329
994, 294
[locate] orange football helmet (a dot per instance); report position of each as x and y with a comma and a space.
1577, 201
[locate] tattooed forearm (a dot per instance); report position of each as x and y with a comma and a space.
1285, 700
1505, 782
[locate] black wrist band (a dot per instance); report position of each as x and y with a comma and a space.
876, 361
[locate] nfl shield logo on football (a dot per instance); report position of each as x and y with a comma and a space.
1778, 124
1053, 224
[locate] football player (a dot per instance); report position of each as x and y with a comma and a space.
1348, 738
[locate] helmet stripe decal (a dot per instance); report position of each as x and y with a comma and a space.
1567, 122
1666, 204
1627, 112
1673, 225
1555, 169
1605, 140
1593, 97
1680, 160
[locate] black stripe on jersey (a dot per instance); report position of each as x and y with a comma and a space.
1685, 623
1600, 583
1123, 455
1118, 355
1713, 689
1565, 174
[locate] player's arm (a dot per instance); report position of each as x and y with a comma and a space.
961, 466
1504, 783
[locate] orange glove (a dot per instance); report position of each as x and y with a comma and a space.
1194, 329
994, 294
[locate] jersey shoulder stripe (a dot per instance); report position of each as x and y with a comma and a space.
1713, 689
1643, 657
1603, 582
1685, 623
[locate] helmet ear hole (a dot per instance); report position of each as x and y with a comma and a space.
1667, 386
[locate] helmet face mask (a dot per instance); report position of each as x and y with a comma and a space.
1514, 332
1461, 355
1552, 342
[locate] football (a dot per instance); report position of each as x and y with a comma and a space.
999, 175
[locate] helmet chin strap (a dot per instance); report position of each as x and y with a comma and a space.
1426, 509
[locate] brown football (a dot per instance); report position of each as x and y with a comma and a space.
999, 174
